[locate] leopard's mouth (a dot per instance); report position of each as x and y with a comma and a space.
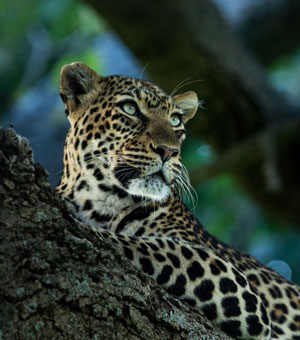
125, 173
158, 175
154, 186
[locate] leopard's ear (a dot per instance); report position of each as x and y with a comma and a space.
78, 85
188, 103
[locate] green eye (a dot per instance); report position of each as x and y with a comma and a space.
130, 108
175, 120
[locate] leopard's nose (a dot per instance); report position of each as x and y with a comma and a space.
164, 151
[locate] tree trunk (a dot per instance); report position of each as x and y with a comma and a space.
57, 281
180, 39
272, 29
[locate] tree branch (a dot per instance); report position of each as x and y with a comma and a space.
272, 29
267, 166
58, 281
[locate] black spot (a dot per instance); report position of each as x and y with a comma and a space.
82, 185
186, 252
264, 300
210, 311
140, 231
250, 301
292, 327
104, 187
100, 218
98, 174
297, 318
143, 251
153, 246
137, 214
221, 266
231, 306
146, 266
85, 119
231, 328
203, 254
120, 192
204, 291
88, 205
164, 275
278, 292
94, 109
214, 269
239, 278
195, 270
124, 242
174, 259
254, 326
89, 127
171, 245
96, 119
277, 330
83, 145
64, 187
265, 318
159, 257
227, 285
178, 288
67, 171
279, 317
90, 166
191, 302
87, 156
128, 253
71, 195
254, 279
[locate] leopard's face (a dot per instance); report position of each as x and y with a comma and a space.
126, 130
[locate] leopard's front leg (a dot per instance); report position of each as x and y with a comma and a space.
202, 279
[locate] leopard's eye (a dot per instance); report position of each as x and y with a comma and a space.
175, 120
129, 108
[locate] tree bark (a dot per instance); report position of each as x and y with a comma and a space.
272, 29
58, 281
181, 39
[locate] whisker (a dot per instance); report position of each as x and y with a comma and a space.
143, 70
186, 84
179, 84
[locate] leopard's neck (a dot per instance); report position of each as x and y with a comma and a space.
106, 205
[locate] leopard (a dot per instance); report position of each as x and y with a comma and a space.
122, 176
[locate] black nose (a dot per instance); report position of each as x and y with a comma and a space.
164, 151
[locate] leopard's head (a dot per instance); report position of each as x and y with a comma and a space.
125, 132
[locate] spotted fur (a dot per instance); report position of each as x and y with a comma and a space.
122, 172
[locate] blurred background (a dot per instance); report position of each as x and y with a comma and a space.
241, 57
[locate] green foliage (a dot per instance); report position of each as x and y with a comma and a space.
38, 36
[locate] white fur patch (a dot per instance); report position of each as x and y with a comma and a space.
151, 187
188, 103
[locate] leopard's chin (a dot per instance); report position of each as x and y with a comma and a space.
153, 187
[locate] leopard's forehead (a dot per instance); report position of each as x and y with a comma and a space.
141, 90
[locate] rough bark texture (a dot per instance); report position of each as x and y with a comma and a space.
57, 281
181, 39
